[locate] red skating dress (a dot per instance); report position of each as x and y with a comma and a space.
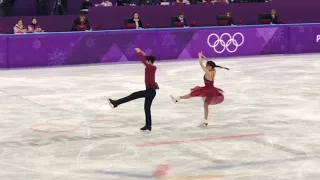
210, 94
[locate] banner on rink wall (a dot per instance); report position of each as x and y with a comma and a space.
52, 49
305, 38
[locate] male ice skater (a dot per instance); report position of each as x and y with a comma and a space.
150, 91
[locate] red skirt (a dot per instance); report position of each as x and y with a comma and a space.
210, 95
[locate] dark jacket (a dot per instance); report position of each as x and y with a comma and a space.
175, 20
274, 20
133, 21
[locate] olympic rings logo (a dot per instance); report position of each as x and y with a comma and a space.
225, 45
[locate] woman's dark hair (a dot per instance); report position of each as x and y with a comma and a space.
151, 59
213, 65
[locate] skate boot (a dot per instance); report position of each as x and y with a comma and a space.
144, 128
203, 123
175, 99
112, 103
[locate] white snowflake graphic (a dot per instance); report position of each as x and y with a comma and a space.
37, 44
148, 51
278, 36
195, 37
168, 40
90, 42
2, 59
258, 35
57, 57
129, 50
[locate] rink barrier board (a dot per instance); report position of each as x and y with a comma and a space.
117, 46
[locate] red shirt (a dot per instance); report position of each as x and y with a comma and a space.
149, 75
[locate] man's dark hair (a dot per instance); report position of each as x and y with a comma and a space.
151, 59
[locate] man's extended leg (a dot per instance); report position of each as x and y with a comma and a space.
133, 96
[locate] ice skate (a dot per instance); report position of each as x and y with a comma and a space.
145, 128
175, 99
112, 103
203, 123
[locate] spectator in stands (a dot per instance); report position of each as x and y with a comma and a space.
105, 3
81, 24
85, 6
274, 17
122, 2
34, 27
230, 19
164, 2
136, 21
6, 7
181, 2
19, 28
180, 19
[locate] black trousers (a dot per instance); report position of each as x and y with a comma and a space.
148, 94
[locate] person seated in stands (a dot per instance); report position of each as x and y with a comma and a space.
81, 24
85, 6
274, 17
181, 2
34, 27
122, 2
147, 2
19, 28
181, 19
208, 1
105, 3
136, 20
164, 2
230, 19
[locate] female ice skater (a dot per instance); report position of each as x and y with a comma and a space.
210, 94
150, 91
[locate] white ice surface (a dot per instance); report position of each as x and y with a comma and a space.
277, 96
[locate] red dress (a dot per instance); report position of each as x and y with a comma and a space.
210, 94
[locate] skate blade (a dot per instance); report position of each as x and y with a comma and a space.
110, 104
173, 99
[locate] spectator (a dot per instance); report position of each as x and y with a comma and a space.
85, 6
180, 19
19, 28
164, 2
6, 7
81, 24
274, 17
34, 27
178, 2
105, 3
230, 19
42, 7
136, 21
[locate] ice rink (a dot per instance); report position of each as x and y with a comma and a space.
55, 123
